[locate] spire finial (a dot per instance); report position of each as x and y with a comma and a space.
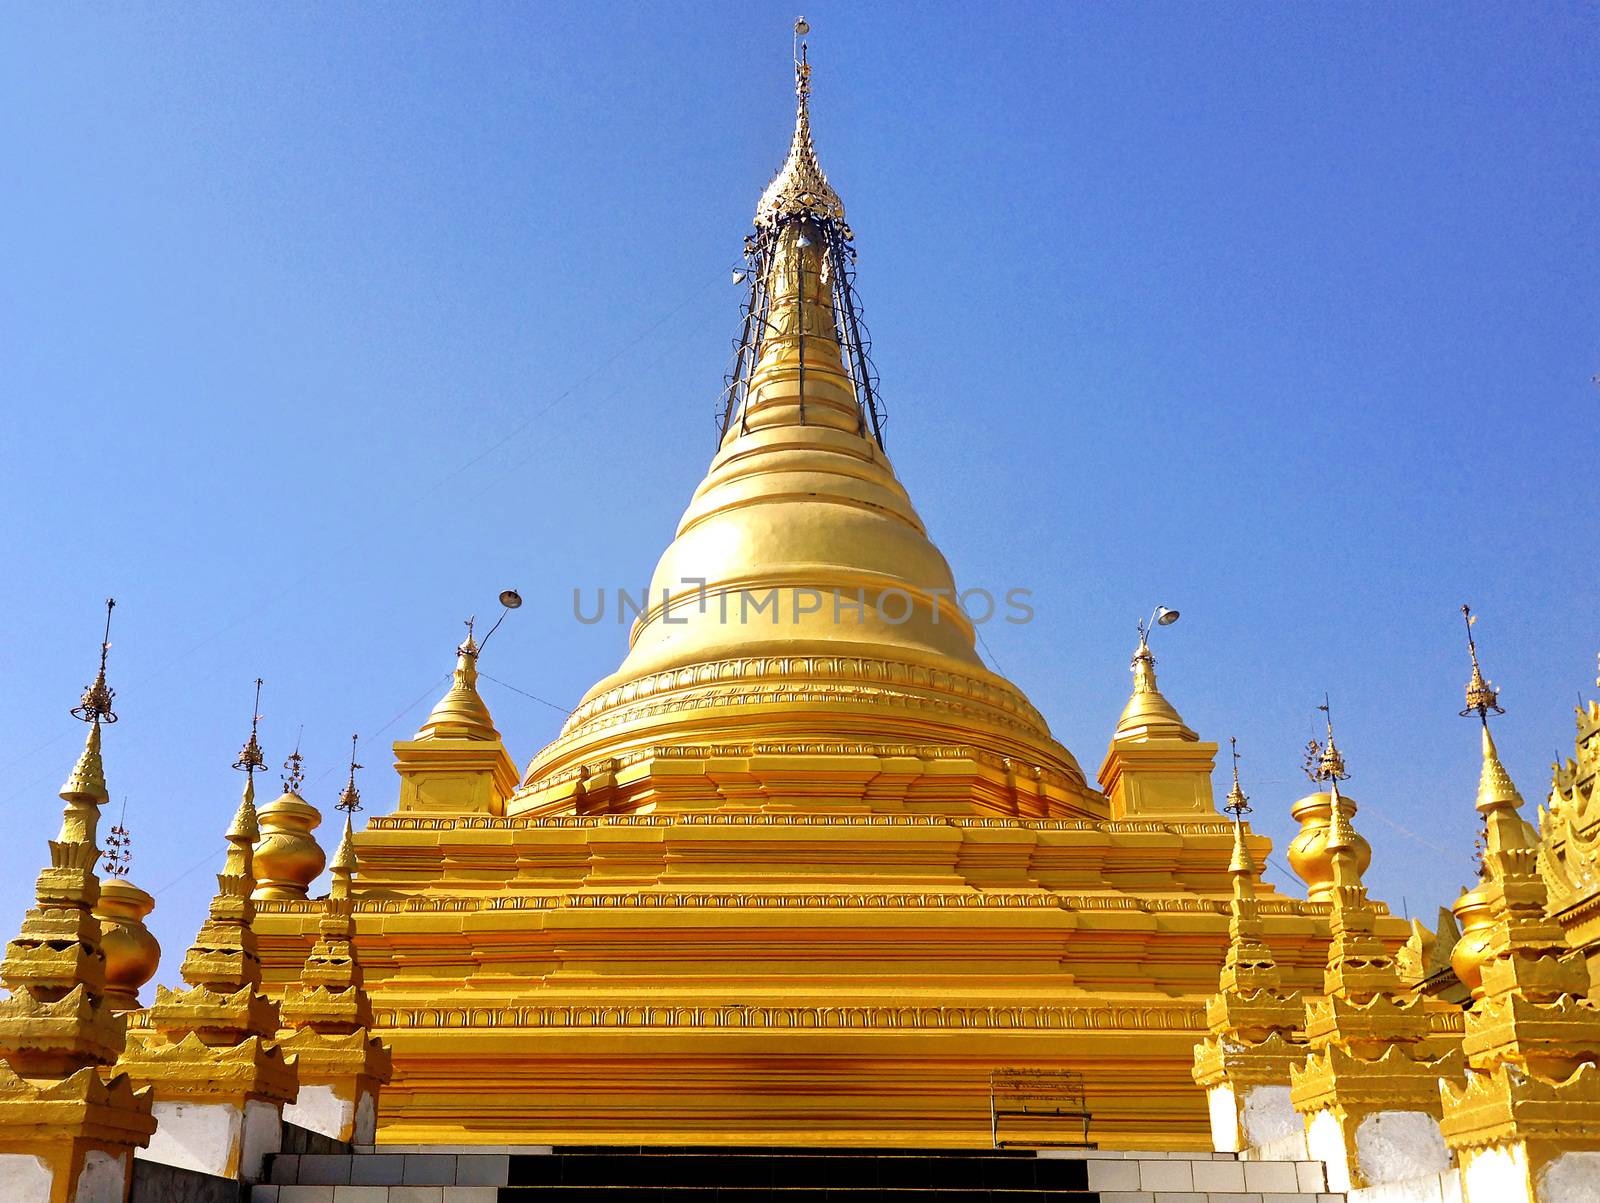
95, 706
1324, 761
1482, 697
800, 189
119, 846
294, 776
1237, 804
802, 66
250, 757
350, 798
469, 645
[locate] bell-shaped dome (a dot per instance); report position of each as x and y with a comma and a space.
802, 600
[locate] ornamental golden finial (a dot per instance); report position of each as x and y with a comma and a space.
1482, 697
118, 855
294, 768
350, 798
1237, 804
95, 706
800, 188
250, 757
1324, 762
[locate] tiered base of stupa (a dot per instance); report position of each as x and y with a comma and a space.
787, 978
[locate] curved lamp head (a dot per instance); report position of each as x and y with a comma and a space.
512, 600
1165, 617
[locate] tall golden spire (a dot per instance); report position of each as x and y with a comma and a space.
1369, 1035
57, 1019
213, 1043
1251, 1018
63, 1109
1532, 1038
328, 1011
223, 957
1249, 965
802, 602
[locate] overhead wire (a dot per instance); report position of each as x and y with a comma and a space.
414, 498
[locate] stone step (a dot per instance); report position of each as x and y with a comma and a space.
743, 1175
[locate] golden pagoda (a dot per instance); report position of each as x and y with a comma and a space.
209, 1052
328, 1014
1525, 1122
69, 1120
1569, 840
1244, 1065
802, 870
1368, 1088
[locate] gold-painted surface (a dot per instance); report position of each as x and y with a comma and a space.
1308, 850
1569, 841
132, 952
1475, 912
1252, 1018
62, 1121
790, 876
57, 1019
60, 1030
457, 763
461, 714
214, 1041
287, 858
1425, 962
327, 1014
1532, 1036
1373, 1047
802, 605
1156, 767
800, 189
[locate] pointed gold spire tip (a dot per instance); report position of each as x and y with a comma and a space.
95, 705
250, 757
1482, 697
800, 189
1237, 804
1496, 790
344, 857
350, 796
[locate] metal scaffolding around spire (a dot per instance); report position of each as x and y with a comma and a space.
799, 202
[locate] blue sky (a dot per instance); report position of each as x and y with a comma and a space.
322, 324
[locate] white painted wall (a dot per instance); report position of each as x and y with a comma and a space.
104, 1179
1498, 1174
24, 1178
1393, 1146
1571, 1178
197, 1136
366, 1126
1224, 1106
318, 1109
263, 1134
1268, 1117
1325, 1141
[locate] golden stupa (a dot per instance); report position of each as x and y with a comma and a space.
802, 870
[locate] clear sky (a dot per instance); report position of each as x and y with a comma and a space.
321, 324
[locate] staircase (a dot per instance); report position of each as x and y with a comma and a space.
688, 1175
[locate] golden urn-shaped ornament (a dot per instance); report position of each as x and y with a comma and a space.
1474, 910
1308, 851
287, 856
132, 952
